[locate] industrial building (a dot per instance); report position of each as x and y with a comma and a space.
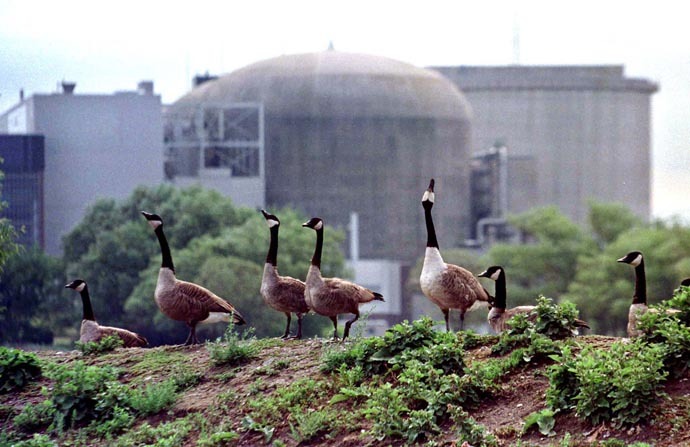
23, 163
571, 133
354, 139
96, 146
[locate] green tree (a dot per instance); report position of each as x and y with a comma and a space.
8, 234
32, 305
546, 263
603, 288
609, 220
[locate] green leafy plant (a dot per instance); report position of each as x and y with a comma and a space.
106, 344
82, 393
233, 349
153, 398
35, 416
543, 420
17, 368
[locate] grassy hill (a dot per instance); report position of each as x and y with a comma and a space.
414, 385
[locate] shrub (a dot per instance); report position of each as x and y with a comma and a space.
233, 349
83, 393
34, 417
621, 384
105, 344
17, 368
153, 398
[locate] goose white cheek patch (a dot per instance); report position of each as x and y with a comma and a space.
495, 275
272, 223
635, 262
318, 226
428, 195
80, 287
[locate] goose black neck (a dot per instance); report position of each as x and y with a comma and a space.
165, 249
272, 256
86, 301
316, 259
640, 296
430, 231
500, 292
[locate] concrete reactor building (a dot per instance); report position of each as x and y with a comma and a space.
344, 133
572, 133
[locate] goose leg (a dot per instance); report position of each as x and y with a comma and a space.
192, 334
445, 316
299, 326
287, 328
348, 324
462, 320
335, 327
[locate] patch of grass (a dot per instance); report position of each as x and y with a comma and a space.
105, 344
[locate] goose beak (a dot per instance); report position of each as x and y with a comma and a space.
621, 259
483, 274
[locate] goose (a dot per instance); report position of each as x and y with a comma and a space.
639, 301
499, 315
332, 296
446, 285
186, 301
282, 293
91, 331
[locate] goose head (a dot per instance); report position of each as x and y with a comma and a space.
77, 284
315, 223
153, 219
633, 258
271, 219
428, 197
493, 272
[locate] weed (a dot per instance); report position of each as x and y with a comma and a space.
311, 423
153, 398
38, 440
82, 393
233, 349
218, 439
106, 344
33, 417
168, 434
17, 368
543, 420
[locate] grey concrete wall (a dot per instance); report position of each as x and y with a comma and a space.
586, 128
96, 146
377, 167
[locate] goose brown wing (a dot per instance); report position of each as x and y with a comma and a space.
202, 298
461, 283
290, 293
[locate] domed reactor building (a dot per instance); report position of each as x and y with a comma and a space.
342, 133
351, 138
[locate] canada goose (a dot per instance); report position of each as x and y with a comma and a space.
186, 301
91, 330
499, 315
332, 296
283, 293
448, 286
639, 301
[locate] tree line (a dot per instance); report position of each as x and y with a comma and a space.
223, 247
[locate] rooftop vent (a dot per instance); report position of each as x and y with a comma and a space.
68, 87
145, 88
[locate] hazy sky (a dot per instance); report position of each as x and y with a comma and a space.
110, 46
